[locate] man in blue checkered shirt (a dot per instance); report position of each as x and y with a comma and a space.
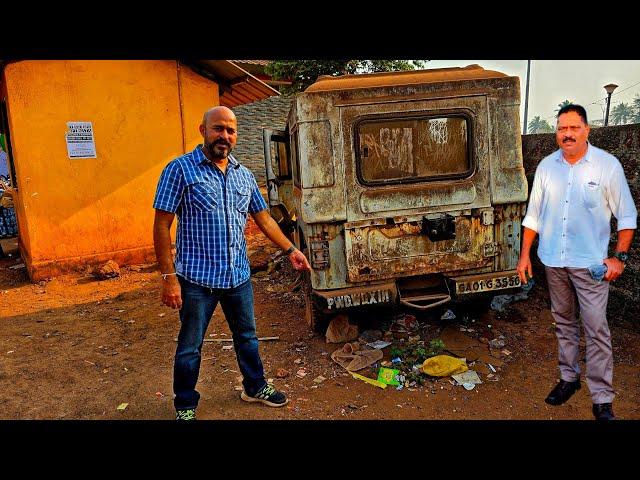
212, 194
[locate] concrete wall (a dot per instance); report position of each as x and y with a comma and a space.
252, 118
623, 142
83, 211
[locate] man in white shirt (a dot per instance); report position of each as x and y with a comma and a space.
574, 193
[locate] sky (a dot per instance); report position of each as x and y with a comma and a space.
553, 81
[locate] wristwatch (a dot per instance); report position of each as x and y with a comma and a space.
622, 256
290, 250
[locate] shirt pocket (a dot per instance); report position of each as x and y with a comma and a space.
591, 194
203, 197
243, 197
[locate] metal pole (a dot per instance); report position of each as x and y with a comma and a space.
606, 116
526, 99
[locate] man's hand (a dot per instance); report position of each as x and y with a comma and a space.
299, 261
614, 268
524, 267
171, 294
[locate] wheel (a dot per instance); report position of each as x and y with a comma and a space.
317, 320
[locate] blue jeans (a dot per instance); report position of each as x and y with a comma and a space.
198, 305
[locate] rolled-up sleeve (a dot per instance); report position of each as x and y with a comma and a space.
170, 188
532, 218
620, 200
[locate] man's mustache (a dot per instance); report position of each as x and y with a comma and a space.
220, 142
568, 139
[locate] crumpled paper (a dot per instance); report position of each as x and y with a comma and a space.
340, 330
352, 358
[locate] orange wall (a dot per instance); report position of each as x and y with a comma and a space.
74, 208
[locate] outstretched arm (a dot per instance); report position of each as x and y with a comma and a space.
270, 228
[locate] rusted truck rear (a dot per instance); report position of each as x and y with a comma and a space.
403, 187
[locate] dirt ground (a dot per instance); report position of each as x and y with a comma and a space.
75, 347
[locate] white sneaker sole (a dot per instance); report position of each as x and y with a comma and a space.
247, 398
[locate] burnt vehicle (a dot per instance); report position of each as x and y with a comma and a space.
402, 188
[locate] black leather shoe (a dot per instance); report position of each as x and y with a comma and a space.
562, 392
603, 411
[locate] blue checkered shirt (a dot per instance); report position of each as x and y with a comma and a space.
212, 213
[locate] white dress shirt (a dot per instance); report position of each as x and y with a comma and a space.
570, 207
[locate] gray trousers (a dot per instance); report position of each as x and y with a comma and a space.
565, 286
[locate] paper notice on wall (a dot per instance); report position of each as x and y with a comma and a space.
80, 141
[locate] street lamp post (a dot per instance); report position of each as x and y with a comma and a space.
609, 88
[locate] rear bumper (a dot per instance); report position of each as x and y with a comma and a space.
331, 301
464, 286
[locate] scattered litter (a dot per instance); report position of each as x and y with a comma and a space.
282, 373
353, 358
506, 352
227, 347
388, 376
159, 394
90, 363
497, 343
499, 302
399, 387
121, 310
469, 386
491, 367
379, 344
222, 340
444, 365
370, 336
301, 373
370, 381
396, 360
238, 388
319, 379
122, 406
448, 315
340, 330
324, 353
470, 376
10, 351
270, 380
160, 314
297, 361
15, 267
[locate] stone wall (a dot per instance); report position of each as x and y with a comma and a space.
623, 142
252, 118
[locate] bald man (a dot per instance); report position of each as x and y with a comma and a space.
212, 194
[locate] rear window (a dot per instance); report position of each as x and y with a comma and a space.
413, 149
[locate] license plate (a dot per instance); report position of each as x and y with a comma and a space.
477, 284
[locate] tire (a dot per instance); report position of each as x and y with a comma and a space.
317, 320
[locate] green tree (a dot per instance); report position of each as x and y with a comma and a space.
636, 109
303, 73
538, 125
563, 104
621, 113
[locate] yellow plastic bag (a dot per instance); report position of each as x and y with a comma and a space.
444, 365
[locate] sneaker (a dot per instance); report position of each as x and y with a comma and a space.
267, 395
186, 415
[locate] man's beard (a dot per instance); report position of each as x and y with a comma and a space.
218, 155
